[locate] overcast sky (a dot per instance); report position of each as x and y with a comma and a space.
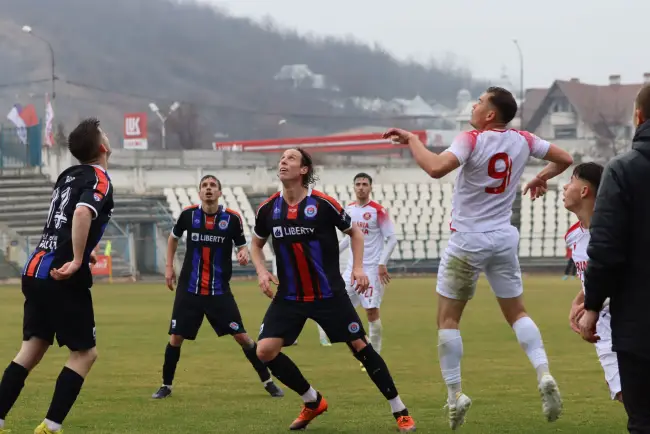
588, 39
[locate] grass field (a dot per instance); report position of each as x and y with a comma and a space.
217, 391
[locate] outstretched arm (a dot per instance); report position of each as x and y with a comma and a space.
436, 165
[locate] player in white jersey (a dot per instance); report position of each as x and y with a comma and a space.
492, 159
379, 243
580, 198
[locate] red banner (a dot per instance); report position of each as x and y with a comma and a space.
346, 143
103, 266
135, 131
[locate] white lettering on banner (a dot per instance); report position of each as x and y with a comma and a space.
132, 127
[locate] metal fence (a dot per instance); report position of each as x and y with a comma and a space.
16, 154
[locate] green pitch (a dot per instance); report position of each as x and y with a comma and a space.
216, 390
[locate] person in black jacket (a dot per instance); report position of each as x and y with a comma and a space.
619, 266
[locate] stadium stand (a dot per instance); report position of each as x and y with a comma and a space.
24, 204
421, 213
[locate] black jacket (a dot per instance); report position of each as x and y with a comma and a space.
619, 250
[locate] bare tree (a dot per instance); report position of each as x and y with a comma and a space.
185, 126
612, 132
60, 139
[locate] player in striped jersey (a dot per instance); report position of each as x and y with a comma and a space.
57, 279
204, 283
302, 223
580, 198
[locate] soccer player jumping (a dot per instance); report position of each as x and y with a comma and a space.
379, 242
56, 280
302, 223
580, 198
204, 284
492, 159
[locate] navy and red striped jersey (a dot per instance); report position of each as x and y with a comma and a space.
305, 244
207, 266
81, 185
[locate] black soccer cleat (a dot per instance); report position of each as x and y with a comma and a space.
162, 393
274, 390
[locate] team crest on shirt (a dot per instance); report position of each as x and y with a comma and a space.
311, 210
234, 326
97, 197
223, 224
367, 216
354, 327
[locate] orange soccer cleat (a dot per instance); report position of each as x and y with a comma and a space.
307, 414
405, 424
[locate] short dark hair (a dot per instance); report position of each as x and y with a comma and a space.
85, 141
643, 101
504, 102
363, 175
306, 160
210, 177
590, 172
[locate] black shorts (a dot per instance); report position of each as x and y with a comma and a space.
220, 310
59, 308
286, 318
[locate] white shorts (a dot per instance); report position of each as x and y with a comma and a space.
606, 356
372, 298
469, 253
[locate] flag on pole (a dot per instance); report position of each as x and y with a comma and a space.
49, 121
23, 118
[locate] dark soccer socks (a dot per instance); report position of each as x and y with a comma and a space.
12, 384
283, 368
172, 356
68, 386
260, 367
377, 371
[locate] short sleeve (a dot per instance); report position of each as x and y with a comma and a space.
96, 191
463, 145
261, 229
385, 224
181, 225
237, 228
335, 213
538, 146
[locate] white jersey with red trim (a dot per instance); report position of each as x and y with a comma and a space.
577, 239
492, 163
376, 225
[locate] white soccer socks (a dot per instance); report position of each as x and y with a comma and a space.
375, 334
530, 340
450, 351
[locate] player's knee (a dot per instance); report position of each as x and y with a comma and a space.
357, 345
373, 314
176, 340
31, 353
449, 312
244, 340
268, 349
513, 309
82, 361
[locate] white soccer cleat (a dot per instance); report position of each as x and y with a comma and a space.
458, 410
551, 399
